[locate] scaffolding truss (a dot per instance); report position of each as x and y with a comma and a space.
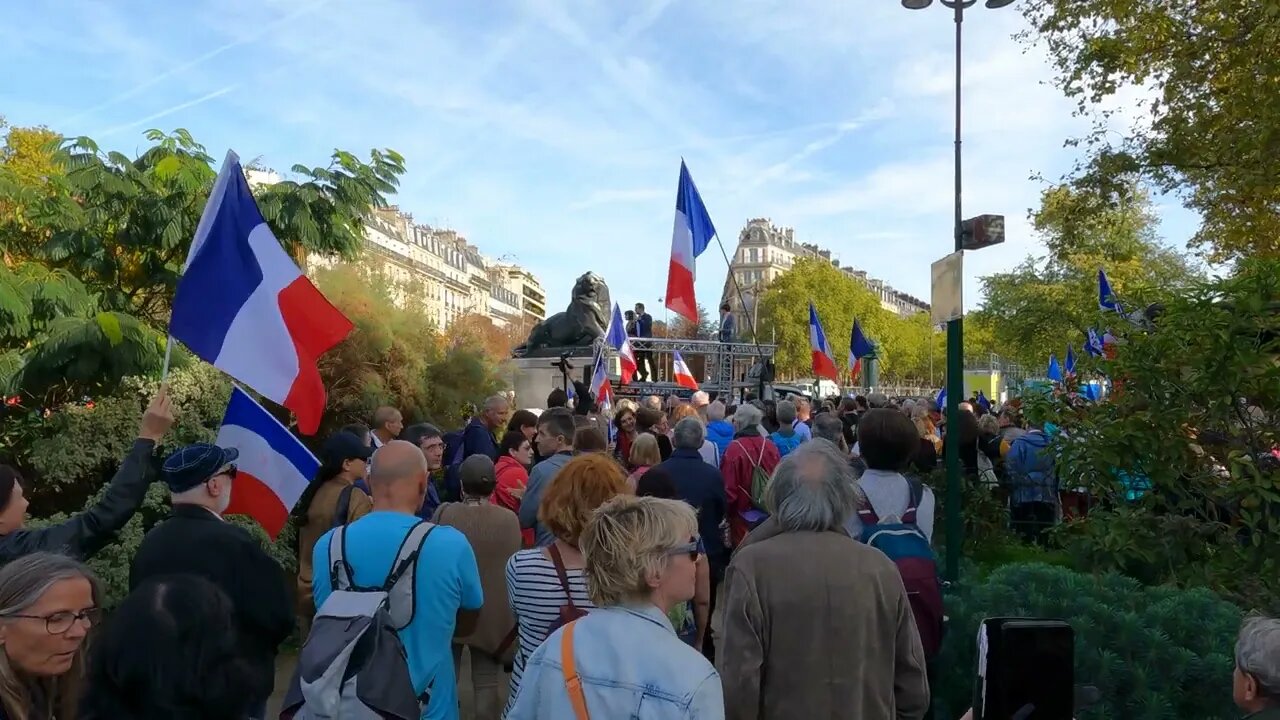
723, 369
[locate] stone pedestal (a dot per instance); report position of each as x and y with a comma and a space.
533, 379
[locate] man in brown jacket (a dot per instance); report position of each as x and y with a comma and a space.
816, 624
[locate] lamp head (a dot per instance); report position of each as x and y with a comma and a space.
916, 4
997, 4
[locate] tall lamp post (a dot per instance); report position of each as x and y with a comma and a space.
955, 329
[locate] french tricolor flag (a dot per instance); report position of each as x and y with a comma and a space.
273, 468
823, 364
616, 337
684, 377
858, 347
244, 306
690, 236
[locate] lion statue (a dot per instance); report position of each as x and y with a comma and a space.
581, 324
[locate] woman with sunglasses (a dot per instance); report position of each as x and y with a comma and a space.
197, 540
48, 603
692, 617
624, 659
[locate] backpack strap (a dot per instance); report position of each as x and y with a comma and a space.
401, 583
572, 683
343, 508
866, 514
339, 569
915, 493
560, 570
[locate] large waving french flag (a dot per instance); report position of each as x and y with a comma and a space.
273, 468
244, 306
823, 363
690, 236
616, 336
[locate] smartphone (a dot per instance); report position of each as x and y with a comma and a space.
1026, 670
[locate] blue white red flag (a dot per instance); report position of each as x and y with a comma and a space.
274, 467
616, 337
690, 236
683, 376
859, 346
1106, 299
823, 363
244, 306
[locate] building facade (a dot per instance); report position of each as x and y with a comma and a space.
765, 251
447, 275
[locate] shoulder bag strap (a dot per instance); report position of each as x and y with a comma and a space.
339, 571
404, 569
866, 514
564, 575
915, 493
344, 506
572, 683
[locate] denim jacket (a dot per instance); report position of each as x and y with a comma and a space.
631, 665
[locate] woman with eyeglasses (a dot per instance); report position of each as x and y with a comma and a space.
624, 658
169, 651
692, 617
48, 603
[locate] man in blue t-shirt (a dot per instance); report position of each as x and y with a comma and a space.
447, 595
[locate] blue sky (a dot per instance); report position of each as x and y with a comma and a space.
552, 130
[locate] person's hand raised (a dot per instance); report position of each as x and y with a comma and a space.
158, 417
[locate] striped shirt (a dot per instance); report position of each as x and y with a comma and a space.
535, 594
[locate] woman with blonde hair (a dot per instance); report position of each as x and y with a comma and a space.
546, 586
644, 455
641, 561
48, 603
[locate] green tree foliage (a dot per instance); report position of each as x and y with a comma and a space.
1210, 74
93, 243
1046, 302
1151, 652
396, 354
902, 344
704, 329
1196, 419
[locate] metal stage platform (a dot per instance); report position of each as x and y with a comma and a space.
722, 369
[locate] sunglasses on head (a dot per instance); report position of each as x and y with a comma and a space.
690, 548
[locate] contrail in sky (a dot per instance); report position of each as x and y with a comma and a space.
167, 111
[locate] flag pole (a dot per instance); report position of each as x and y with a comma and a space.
168, 353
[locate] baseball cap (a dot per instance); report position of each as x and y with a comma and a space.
194, 464
476, 470
342, 446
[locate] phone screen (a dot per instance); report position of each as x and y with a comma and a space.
1030, 670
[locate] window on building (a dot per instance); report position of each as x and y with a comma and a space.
755, 255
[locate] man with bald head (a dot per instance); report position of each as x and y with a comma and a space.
447, 592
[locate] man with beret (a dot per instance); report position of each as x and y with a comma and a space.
197, 540
85, 534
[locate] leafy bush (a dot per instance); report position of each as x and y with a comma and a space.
1196, 417
1153, 652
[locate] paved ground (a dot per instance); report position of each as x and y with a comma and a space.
286, 663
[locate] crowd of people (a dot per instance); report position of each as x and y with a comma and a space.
681, 558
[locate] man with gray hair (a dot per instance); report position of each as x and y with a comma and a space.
831, 635
700, 485
481, 435
653, 402
786, 437
719, 431
829, 427
749, 451
1256, 685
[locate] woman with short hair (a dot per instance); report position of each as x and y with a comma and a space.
48, 604
170, 651
544, 583
624, 659
515, 457
644, 455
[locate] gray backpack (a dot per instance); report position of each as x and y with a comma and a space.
353, 665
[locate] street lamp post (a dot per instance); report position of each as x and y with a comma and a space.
955, 328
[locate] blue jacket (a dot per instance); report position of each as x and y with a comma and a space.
787, 443
539, 480
720, 432
631, 665
644, 325
1032, 474
702, 486
478, 440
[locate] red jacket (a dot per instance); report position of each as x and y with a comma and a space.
511, 475
744, 453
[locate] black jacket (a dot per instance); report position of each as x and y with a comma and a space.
195, 541
85, 534
701, 485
